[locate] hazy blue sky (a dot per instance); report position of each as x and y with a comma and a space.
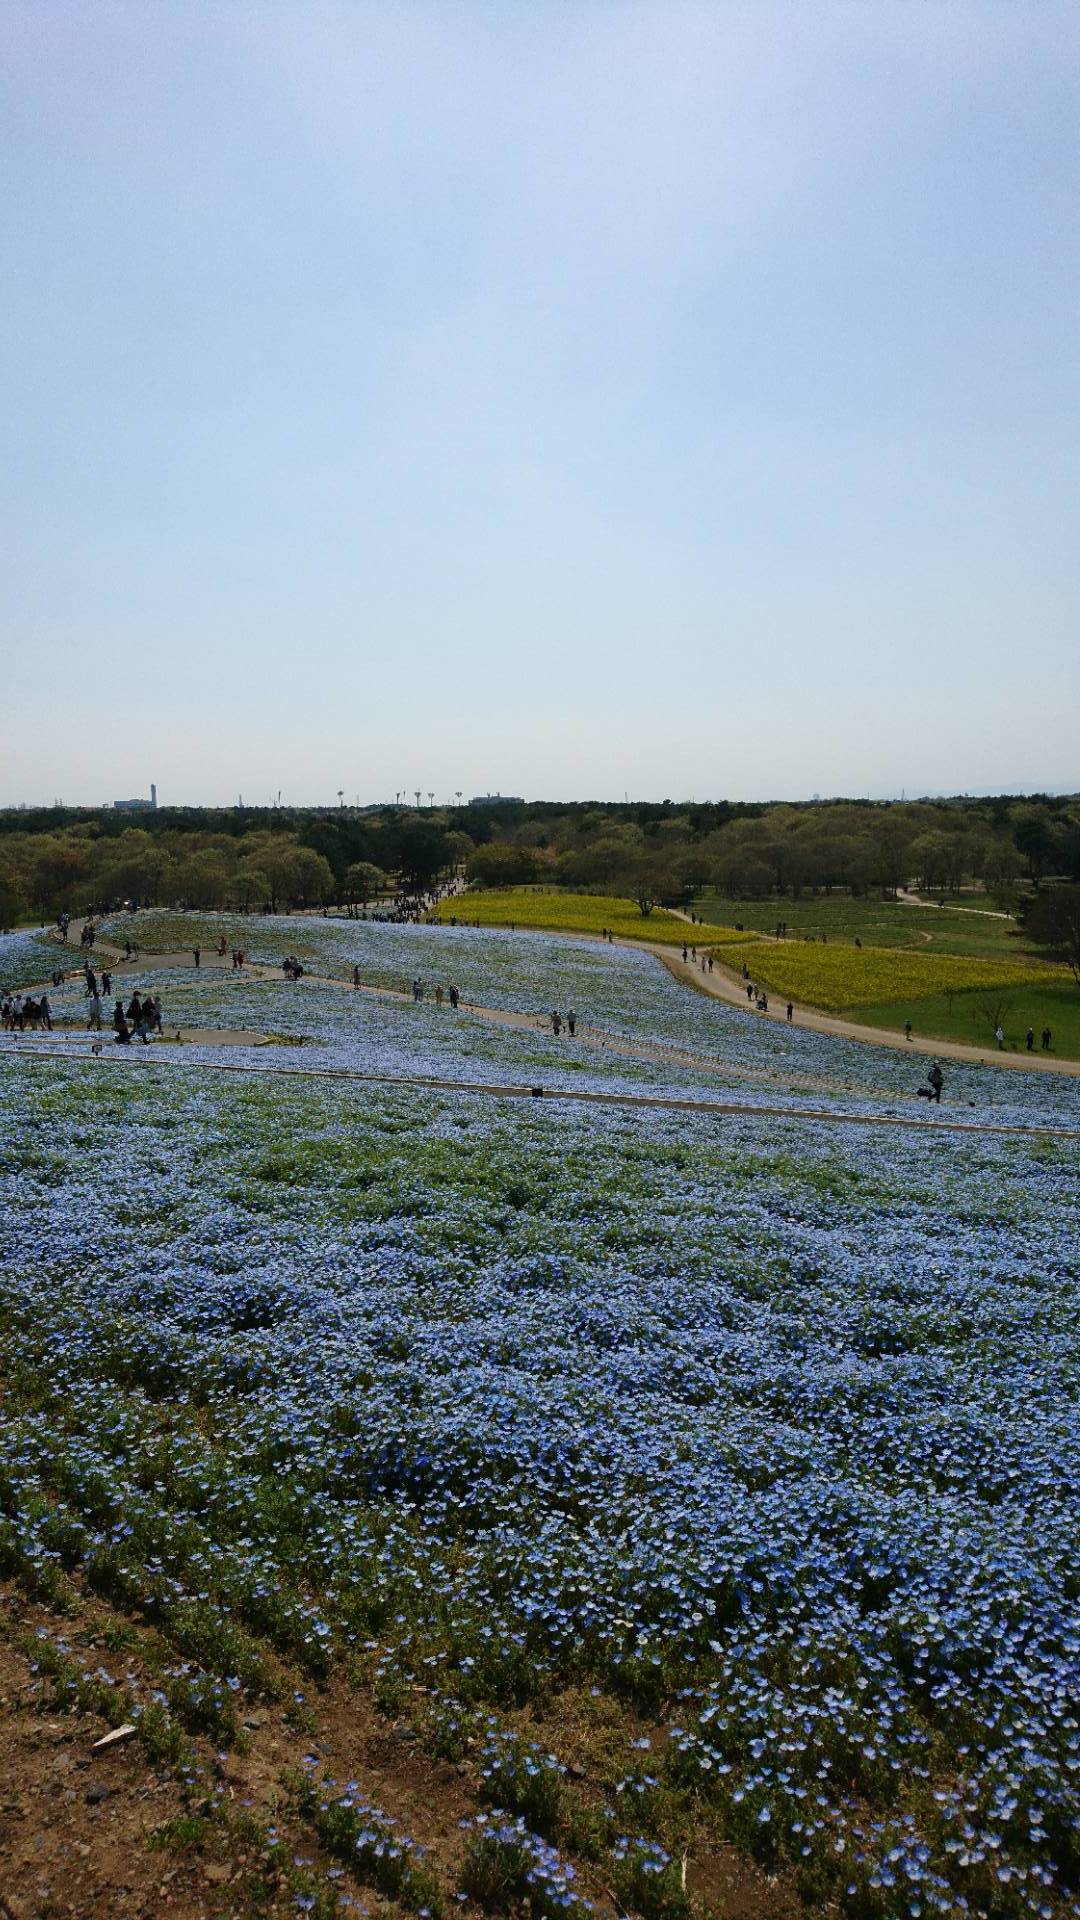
563, 398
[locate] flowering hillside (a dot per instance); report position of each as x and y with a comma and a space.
686, 1488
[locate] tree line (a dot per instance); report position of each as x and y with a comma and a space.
56, 860
788, 851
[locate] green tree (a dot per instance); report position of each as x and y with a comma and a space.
12, 904
1033, 832
363, 882
502, 865
1053, 920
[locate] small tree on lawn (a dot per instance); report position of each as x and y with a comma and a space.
991, 1010
649, 880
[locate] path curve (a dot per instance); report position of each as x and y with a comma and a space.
588, 1034
722, 984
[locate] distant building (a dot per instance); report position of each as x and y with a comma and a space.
497, 800
137, 806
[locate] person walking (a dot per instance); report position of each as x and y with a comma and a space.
45, 1012
907, 1029
356, 976
95, 1011
790, 1012
937, 1081
438, 996
750, 990
1046, 1039
999, 1036
454, 996
556, 1024
571, 1022
106, 983
1030, 1037
118, 1017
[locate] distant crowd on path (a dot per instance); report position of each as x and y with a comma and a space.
758, 997
692, 954
419, 991
441, 994
86, 937
141, 1017
20, 1011
412, 908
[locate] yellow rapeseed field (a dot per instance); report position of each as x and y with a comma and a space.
551, 909
840, 976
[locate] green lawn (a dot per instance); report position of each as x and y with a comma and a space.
878, 923
963, 1016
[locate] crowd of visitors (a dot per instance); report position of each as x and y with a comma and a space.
20, 1011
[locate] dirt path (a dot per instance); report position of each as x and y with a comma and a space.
721, 984
67, 1030
587, 1034
909, 899
588, 1096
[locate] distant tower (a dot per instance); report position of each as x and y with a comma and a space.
153, 795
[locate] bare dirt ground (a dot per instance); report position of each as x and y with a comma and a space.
110, 1835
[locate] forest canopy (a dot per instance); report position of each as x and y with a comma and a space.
57, 860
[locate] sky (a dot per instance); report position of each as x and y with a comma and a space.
553, 398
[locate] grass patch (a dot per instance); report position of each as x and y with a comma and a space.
965, 1017
876, 922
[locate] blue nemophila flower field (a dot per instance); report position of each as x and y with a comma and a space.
759, 1433
685, 1042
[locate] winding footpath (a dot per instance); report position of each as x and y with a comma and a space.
722, 984
719, 985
